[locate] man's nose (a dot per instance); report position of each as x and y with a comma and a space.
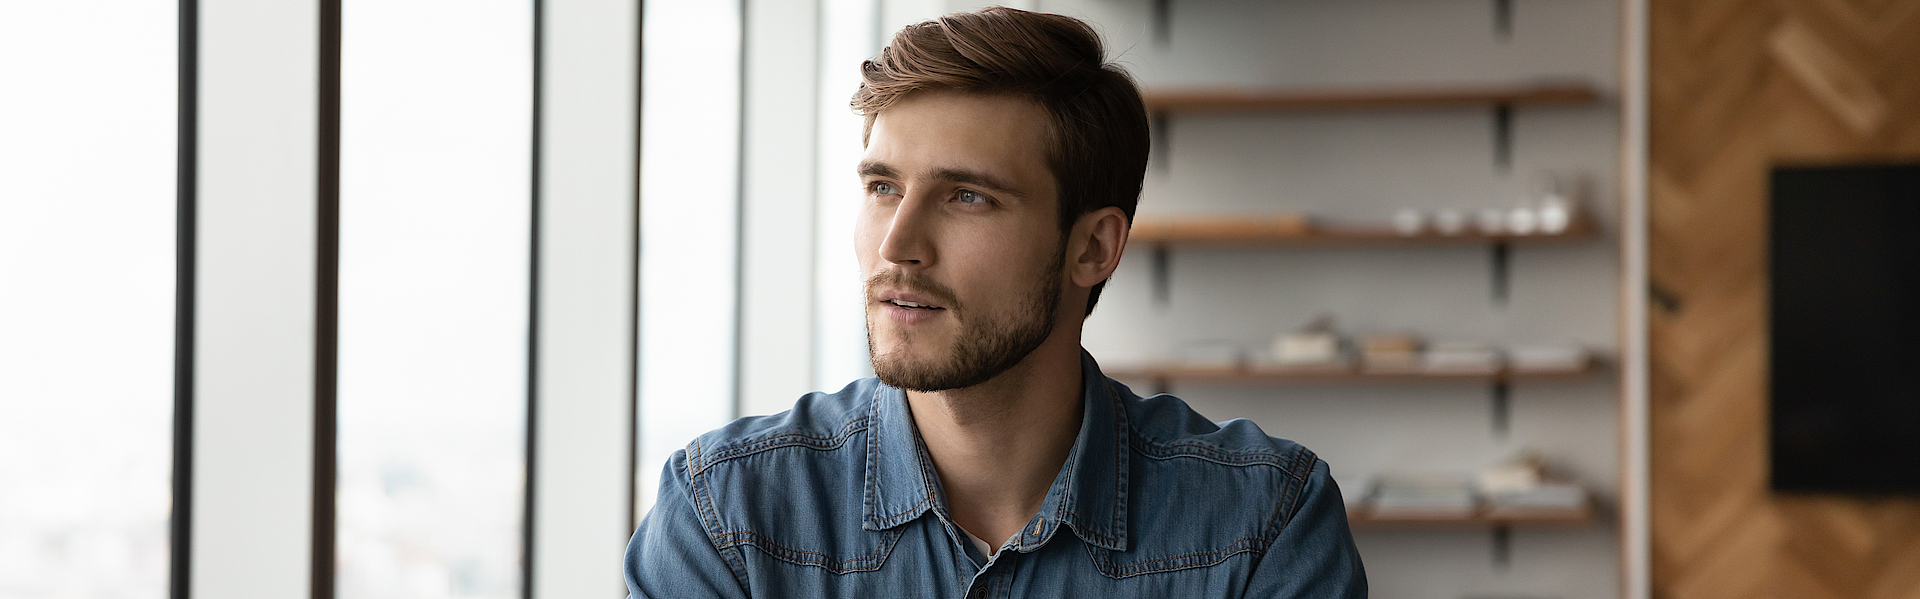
907, 240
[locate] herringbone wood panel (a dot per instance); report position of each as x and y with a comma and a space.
1739, 86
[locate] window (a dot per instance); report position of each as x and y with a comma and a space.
689, 219
87, 218
436, 105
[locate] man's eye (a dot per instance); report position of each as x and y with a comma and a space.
884, 188
970, 197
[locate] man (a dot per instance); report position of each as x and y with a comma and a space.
989, 457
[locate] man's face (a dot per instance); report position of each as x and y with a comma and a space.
958, 238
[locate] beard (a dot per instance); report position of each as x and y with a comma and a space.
986, 344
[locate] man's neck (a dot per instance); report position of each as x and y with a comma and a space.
999, 445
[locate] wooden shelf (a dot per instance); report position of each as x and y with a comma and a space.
1364, 519
1288, 374
1249, 100
1297, 230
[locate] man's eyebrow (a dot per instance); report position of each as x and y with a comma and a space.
970, 177
878, 169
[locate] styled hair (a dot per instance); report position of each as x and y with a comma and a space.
1097, 124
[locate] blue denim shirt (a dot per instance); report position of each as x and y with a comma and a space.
837, 498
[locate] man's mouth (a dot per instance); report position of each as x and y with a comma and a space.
913, 306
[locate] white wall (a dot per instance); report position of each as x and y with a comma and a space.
1361, 166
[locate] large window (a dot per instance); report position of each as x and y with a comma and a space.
689, 225
434, 268
87, 217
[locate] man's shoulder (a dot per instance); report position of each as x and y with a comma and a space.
1223, 487
817, 421
1166, 428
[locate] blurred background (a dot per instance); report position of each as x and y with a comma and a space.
414, 298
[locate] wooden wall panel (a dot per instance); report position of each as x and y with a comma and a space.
1738, 86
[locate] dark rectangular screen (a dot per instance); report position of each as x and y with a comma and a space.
1845, 266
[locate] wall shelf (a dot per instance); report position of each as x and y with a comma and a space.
1500, 522
1298, 230
1365, 519
1502, 99
1499, 382
1337, 374
1249, 100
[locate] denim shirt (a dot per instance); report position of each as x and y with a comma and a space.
838, 498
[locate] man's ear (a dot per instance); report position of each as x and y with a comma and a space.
1095, 245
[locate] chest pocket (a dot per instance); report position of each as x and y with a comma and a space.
1153, 560
862, 553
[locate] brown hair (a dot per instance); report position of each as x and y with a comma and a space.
1097, 139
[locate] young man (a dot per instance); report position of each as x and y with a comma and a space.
989, 457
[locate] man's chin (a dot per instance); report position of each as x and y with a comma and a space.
912, 372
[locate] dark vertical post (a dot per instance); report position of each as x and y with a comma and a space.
1163, 22
185, 226
533, 313
1502, 547
326, 352
1499, 272
1502, 393
1503, 138
633, 292
1162, 275
1503, 19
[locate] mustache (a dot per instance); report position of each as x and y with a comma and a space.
917, 283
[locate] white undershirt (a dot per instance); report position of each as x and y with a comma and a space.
985, 548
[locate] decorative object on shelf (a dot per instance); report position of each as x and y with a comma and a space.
1409, 222
1547, 498
1316, 344
1522, 220
1463, 357
1560, 357
1556, 205
1521, 487
1515, 491
1390, 353
1519, 474
1556, 214
1421, 496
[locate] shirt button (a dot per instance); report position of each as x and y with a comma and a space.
1038, 523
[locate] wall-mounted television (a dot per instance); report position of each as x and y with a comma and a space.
1845, 328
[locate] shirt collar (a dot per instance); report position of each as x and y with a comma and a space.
1089, 495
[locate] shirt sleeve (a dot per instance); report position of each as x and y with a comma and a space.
671, 554
1314, 555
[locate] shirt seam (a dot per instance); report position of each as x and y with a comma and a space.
709, 516
836, 441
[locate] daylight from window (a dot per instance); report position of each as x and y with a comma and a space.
434, 250
87, 217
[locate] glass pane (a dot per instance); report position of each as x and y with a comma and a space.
689, 225
435, 159
87, 217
